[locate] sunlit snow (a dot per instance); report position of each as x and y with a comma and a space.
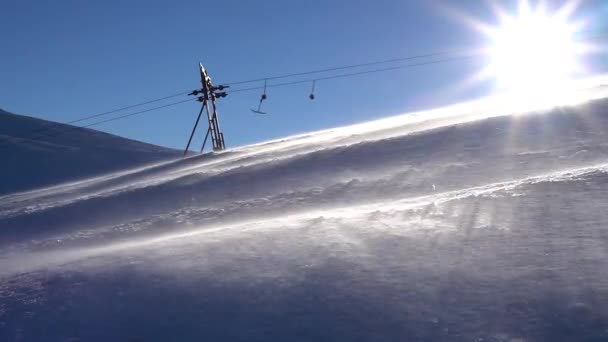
465, 223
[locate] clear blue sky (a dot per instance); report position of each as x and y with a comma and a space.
65, 59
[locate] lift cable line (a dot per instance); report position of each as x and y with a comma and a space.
136, 113
462, 58
59, 125
351, 66
209, 91
60, 129
464, 54
127, 107
584, 34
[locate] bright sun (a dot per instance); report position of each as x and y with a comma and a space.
533, 50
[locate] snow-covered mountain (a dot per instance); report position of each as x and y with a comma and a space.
458, 224
38, 153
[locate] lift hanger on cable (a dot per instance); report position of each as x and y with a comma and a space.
262, 98
312, 91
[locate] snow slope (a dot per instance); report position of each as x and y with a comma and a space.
458, 224
34, 154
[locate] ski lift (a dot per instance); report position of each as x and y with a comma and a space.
312, 91
262, 98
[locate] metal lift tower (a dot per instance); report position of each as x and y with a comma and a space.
209, 93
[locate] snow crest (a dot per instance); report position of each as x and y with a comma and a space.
474, 230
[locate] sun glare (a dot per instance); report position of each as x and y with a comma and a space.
533, 50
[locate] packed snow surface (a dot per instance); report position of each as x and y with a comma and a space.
459, 224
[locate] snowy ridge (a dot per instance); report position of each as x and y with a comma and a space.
449, 227
386, 131
291, 175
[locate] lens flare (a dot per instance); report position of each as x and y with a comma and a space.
533, 51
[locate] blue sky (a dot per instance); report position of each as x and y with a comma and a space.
62, 60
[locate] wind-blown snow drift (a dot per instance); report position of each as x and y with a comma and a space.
435, 226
